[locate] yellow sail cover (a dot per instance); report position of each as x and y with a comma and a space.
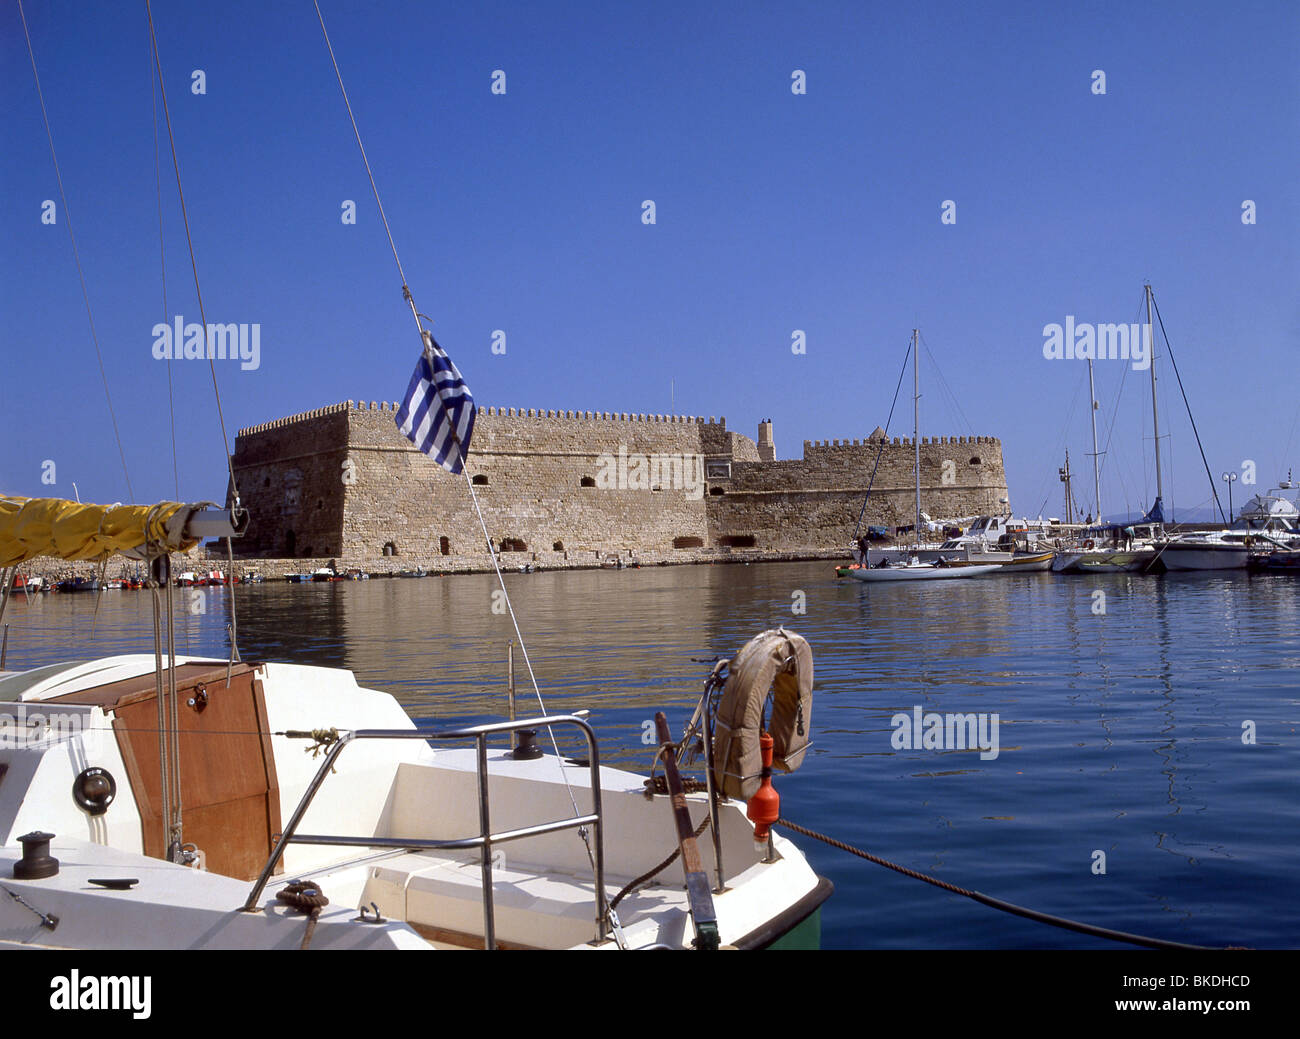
31, 527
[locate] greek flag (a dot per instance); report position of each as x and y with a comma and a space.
437, 415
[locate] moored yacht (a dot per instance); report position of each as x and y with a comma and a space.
1266, 523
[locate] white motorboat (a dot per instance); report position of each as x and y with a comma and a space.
390, 832
1204, 551
1266, 522
1273, 513
416, 840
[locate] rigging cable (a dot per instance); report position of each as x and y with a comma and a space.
67, 216
162, 263
232, 494
943, 385
1169, 346
863, 511
406, 293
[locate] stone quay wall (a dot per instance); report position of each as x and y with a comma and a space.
571, 488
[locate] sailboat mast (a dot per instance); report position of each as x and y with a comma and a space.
1155, 414
916, 429
1096, 477
1069, 493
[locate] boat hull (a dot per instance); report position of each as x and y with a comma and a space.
1205, 557
920, 573
393, 819
1105, 562
1030, 564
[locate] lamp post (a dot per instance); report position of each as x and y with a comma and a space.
1230, 478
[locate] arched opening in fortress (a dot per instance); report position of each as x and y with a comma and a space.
390, 549
737, 541
975, 460
444, 545
588, 481
290, 541
688, 542
558, 547
480, 480
717, 492
513, 545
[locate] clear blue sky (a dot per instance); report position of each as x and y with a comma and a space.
775, 212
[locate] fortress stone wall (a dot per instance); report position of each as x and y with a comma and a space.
342, 482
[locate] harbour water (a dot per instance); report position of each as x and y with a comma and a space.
1149, 730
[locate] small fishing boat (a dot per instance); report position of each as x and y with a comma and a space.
79, 584
1029, 562
1116, 549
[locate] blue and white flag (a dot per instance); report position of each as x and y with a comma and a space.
437, 415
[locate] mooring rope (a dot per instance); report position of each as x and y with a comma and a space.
650, 874
997, 903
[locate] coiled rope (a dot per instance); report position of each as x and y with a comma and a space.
305, 897
997, 903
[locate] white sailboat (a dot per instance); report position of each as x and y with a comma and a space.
913, 569
387, 836
1115, 549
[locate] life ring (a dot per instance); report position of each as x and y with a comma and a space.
779, 661
1090, 543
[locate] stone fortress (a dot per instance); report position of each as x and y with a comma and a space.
566, 488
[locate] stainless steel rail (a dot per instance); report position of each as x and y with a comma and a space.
485, 838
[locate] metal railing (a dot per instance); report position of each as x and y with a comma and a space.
485, 838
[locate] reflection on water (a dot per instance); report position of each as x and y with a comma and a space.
1121, 731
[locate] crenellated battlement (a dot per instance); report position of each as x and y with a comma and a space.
390, 408
291, 420
897, 442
